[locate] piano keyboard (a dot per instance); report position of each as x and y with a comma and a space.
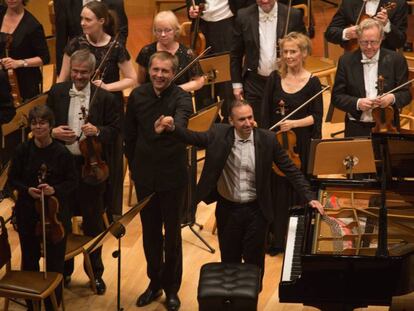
292, 262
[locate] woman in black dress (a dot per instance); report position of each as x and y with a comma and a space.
28, 50
60, 182
290, 87
167, 29
99, 30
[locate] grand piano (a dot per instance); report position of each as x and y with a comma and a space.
361, 252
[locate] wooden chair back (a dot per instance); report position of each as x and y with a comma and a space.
5, 251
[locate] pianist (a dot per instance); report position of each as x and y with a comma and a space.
237, 174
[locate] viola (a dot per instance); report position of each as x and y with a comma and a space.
48, 208
287, 139
383, 117
95, 170
11, 73
352, 45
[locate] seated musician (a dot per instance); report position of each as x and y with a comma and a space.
60, 181
343, 26
167, 30
66, 99
244, 205
355, 89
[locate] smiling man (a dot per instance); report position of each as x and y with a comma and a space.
158, 165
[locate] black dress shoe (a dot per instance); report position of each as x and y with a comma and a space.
148, 296
173, 302
100, 286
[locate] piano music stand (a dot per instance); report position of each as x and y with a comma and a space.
217, 69
118, 229
341, 156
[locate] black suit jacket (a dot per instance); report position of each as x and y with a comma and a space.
67, 18
235, 5
104, 112
347, 15
246, 41
218, 142
350, 86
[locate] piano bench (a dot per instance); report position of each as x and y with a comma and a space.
228, 286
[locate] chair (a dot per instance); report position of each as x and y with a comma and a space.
29, 285
49, 70
322, 68
52, 16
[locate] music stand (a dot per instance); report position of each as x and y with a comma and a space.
118, 229
199, 122
217, 69
341, 156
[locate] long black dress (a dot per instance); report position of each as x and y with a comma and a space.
28, 41
284, 194
119, 54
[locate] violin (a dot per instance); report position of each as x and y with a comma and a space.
352, 45
15, 90
198, 45
383, 117
287, 139
100, 70
95, 170
48, 208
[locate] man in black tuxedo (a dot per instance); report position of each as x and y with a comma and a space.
355, 89
257, 30
67, 20
342, 27
158, 165
66, 100
237, 174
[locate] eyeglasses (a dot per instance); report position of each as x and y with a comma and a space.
166, 31
372, 43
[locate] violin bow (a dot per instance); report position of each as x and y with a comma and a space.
300, 107
396, 88
42, 176
98, 70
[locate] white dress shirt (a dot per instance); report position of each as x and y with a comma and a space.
237, 182
268, 43
216, 10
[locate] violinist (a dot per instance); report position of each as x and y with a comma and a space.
99, 30
355, 89
167, 30
23, 47
343, 26
285, 91
60, 181
66, 99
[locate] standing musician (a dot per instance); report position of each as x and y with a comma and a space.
99, 31
28, 48
167, 29
60, 182
237, 174
355, 88
257, 30
158, 165
68, 22
343, 26
66, 100
286, 90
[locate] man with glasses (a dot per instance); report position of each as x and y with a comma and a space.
355, 90
394, 20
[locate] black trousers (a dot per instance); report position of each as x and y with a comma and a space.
88, 201
357, 128
242, 231
163, 252
253, 87
55, 257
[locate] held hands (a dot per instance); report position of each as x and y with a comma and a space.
64, 133
351, 32
101, 84
89, 129
287, 125
164, 124
384, 102
194, 11
316, 204
36, 193
382, 17
238, 93
10, 63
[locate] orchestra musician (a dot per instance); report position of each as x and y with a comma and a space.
99, 32
287, 89
68, 22
158, 165
257, 30
167, 29
237, 174
28, 50
343, 26
60, 182
66, 100
355, 88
